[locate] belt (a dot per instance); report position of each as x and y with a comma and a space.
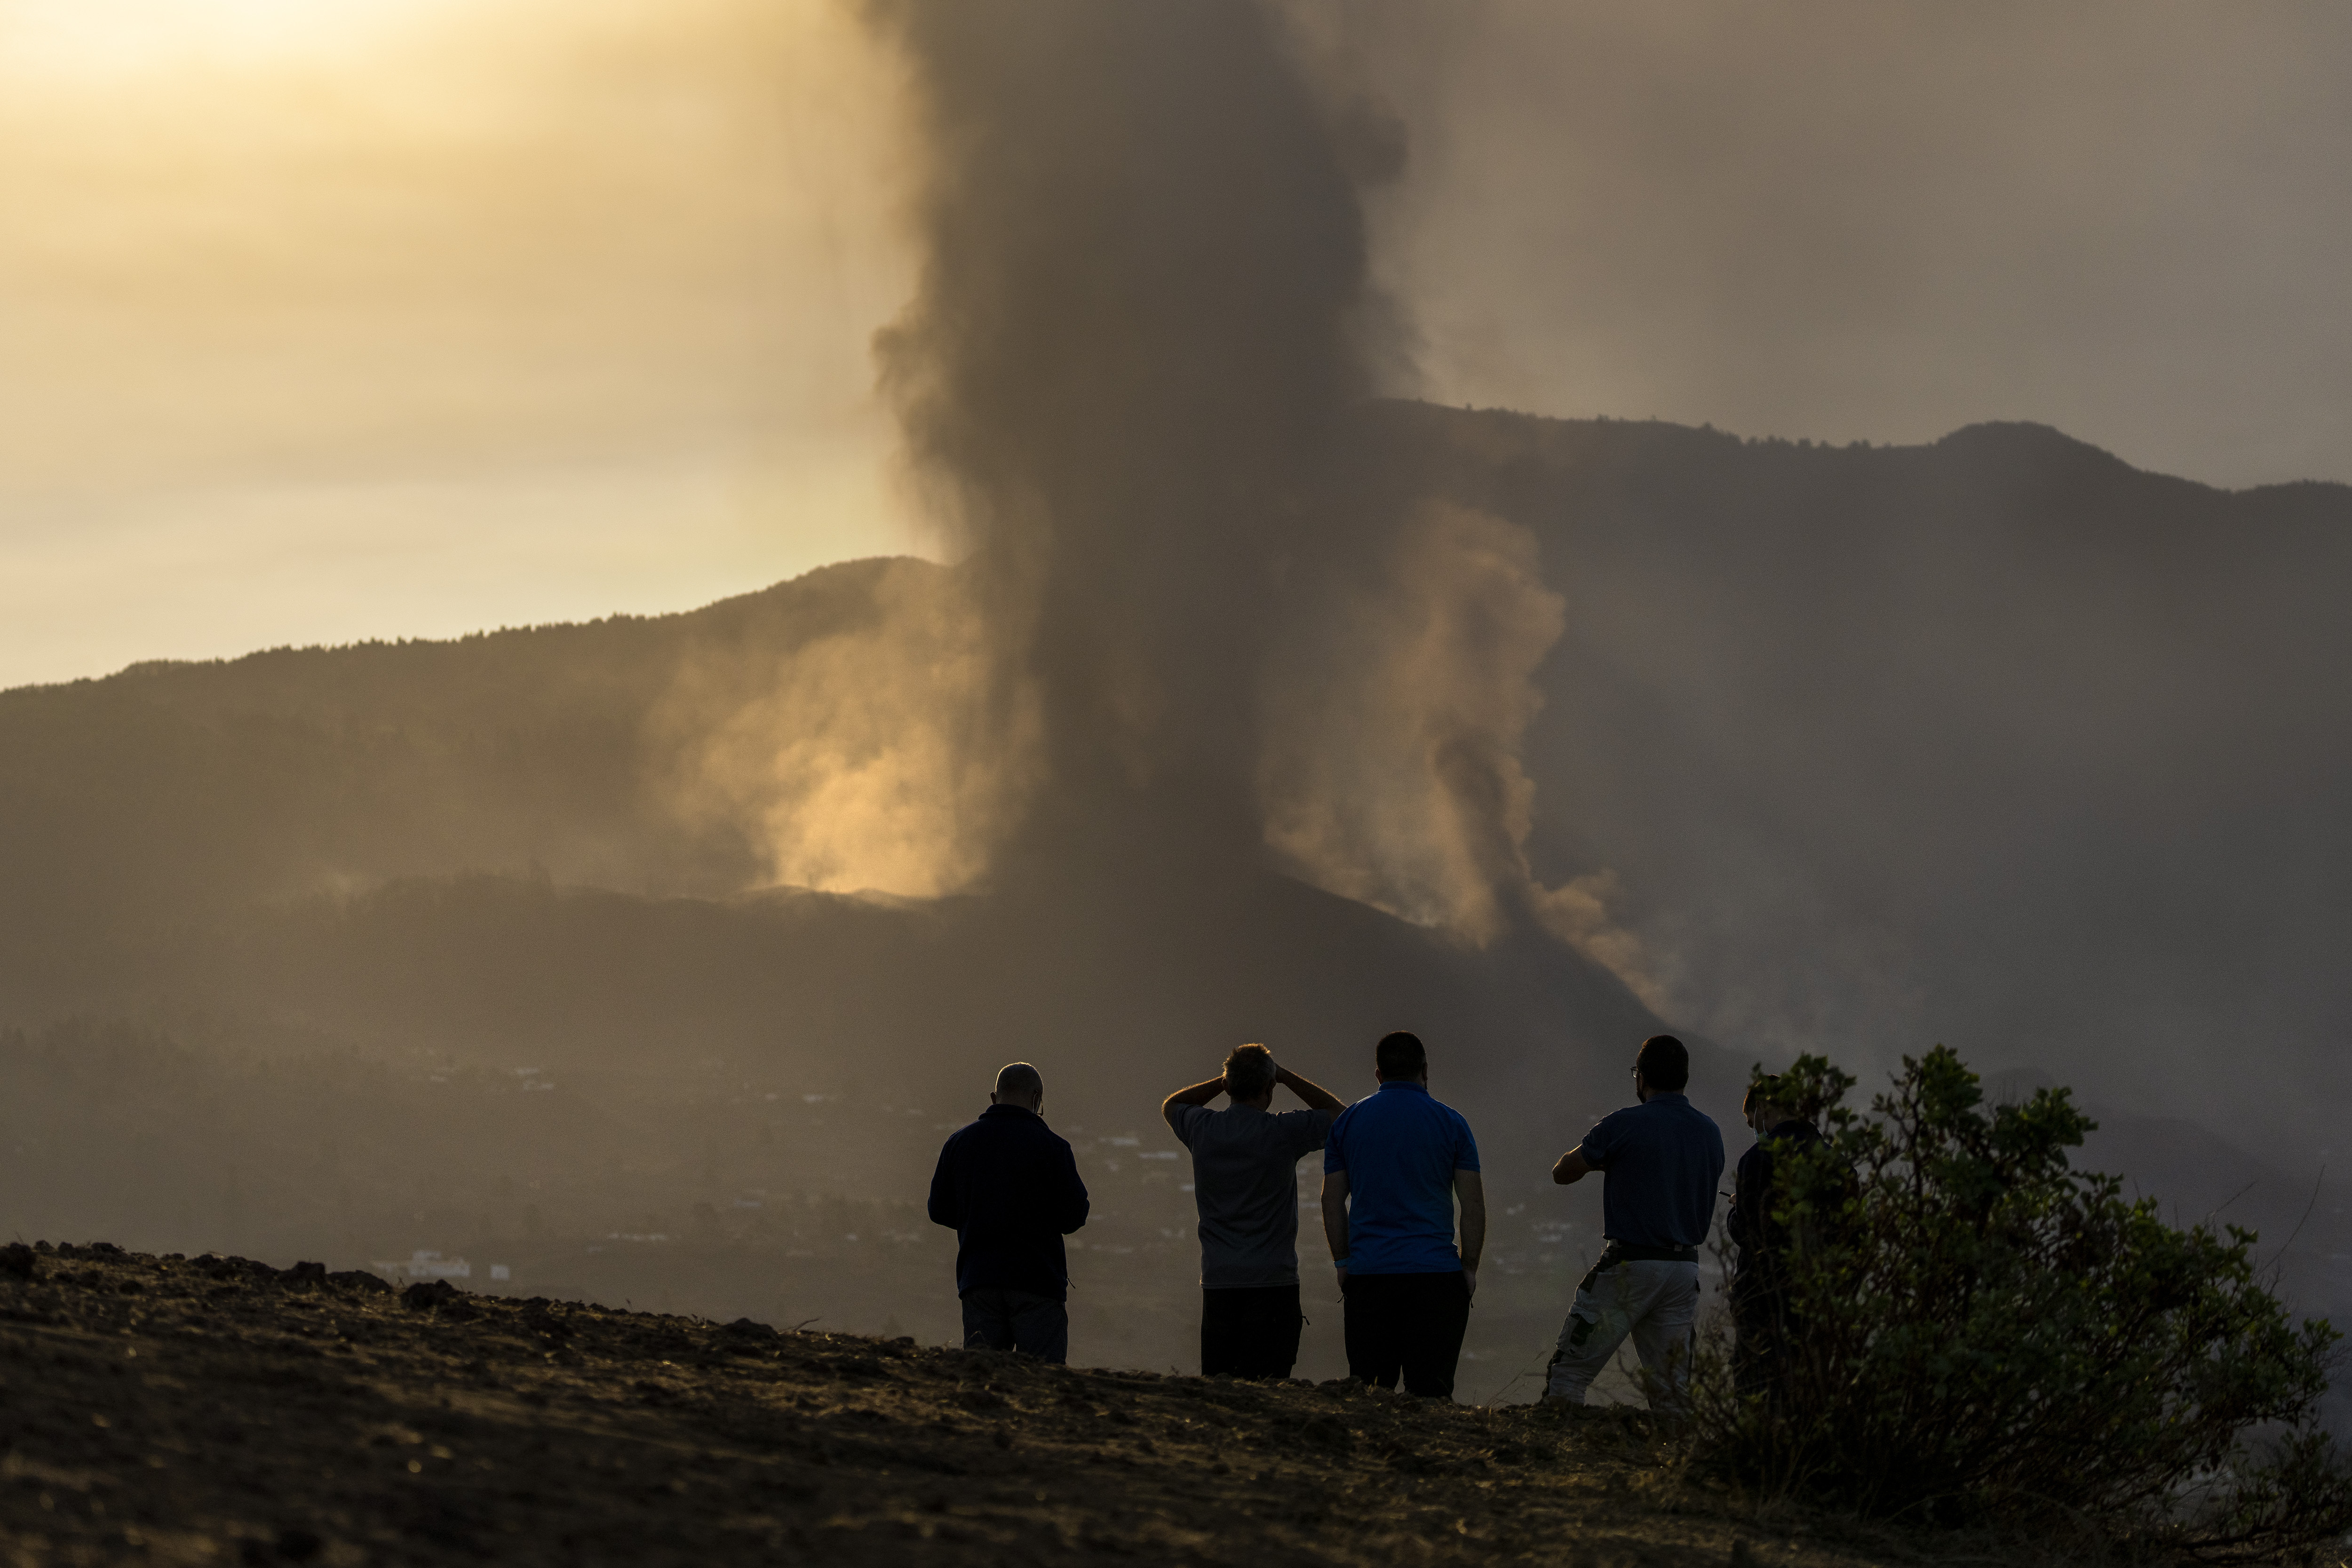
1619, 1252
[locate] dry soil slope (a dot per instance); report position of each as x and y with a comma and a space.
211, 1410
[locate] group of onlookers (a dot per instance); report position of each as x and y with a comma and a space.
1404, 1213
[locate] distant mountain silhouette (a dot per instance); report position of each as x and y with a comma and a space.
1997, 741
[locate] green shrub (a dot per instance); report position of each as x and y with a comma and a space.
1983, 1334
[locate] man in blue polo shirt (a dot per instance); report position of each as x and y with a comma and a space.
1659, 1163
1392, 1167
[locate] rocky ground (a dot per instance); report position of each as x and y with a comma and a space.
211, 1410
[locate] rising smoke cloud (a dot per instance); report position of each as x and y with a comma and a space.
882, 757
1391, 772
1142, 317
1145, 321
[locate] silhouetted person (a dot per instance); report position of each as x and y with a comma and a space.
1245, 1185
1395, 1162
1660, 1162
1009, 1188
1765, 1322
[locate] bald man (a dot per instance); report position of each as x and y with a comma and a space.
1009, 1188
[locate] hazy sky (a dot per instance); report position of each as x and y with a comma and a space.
1869, 219
330, 319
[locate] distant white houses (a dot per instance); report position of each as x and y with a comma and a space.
425, 1265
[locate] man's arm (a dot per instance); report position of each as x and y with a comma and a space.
1747, 1183
1317, 1097
1334, 1219
1075, 1202
945, 1209
1573, 1167
1199, 1094
1470, 1188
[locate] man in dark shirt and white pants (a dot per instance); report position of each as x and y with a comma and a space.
1660, 1160
1010, 1190
1245, 1185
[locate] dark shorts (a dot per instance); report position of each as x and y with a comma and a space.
1408, 1324
999, 1320
1249, 1333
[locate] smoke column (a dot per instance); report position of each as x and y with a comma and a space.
1144, 327
1140, 323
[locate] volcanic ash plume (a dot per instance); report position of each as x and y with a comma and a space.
1139, 324
882, 756
1143, 327
1391, 772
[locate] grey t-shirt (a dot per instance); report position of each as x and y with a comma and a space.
1245, 1184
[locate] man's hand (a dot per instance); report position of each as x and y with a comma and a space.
1573, 1167
1317, 1097
1335, 1220
1470, 1188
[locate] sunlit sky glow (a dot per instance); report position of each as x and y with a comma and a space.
117, 38
324, 319
354, 319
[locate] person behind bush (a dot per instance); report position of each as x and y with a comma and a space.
1245, 1185
1010, 1190
1762, 1318
1660, 1160
1395, 1164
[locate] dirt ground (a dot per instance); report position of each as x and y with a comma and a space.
211, 1410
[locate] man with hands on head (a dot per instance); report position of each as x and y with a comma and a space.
1396, 1164
1660, 1160
1245, 1185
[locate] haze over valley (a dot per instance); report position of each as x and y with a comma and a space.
1244, 685
459, 946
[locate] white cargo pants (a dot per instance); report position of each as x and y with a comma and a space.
1654, 1302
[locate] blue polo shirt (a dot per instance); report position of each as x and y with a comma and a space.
1659, 1163
1400, 1148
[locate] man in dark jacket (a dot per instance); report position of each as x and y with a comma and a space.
1010, 1190
1761, 1313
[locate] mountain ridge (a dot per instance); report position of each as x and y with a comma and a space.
1882, 747
2028, 437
